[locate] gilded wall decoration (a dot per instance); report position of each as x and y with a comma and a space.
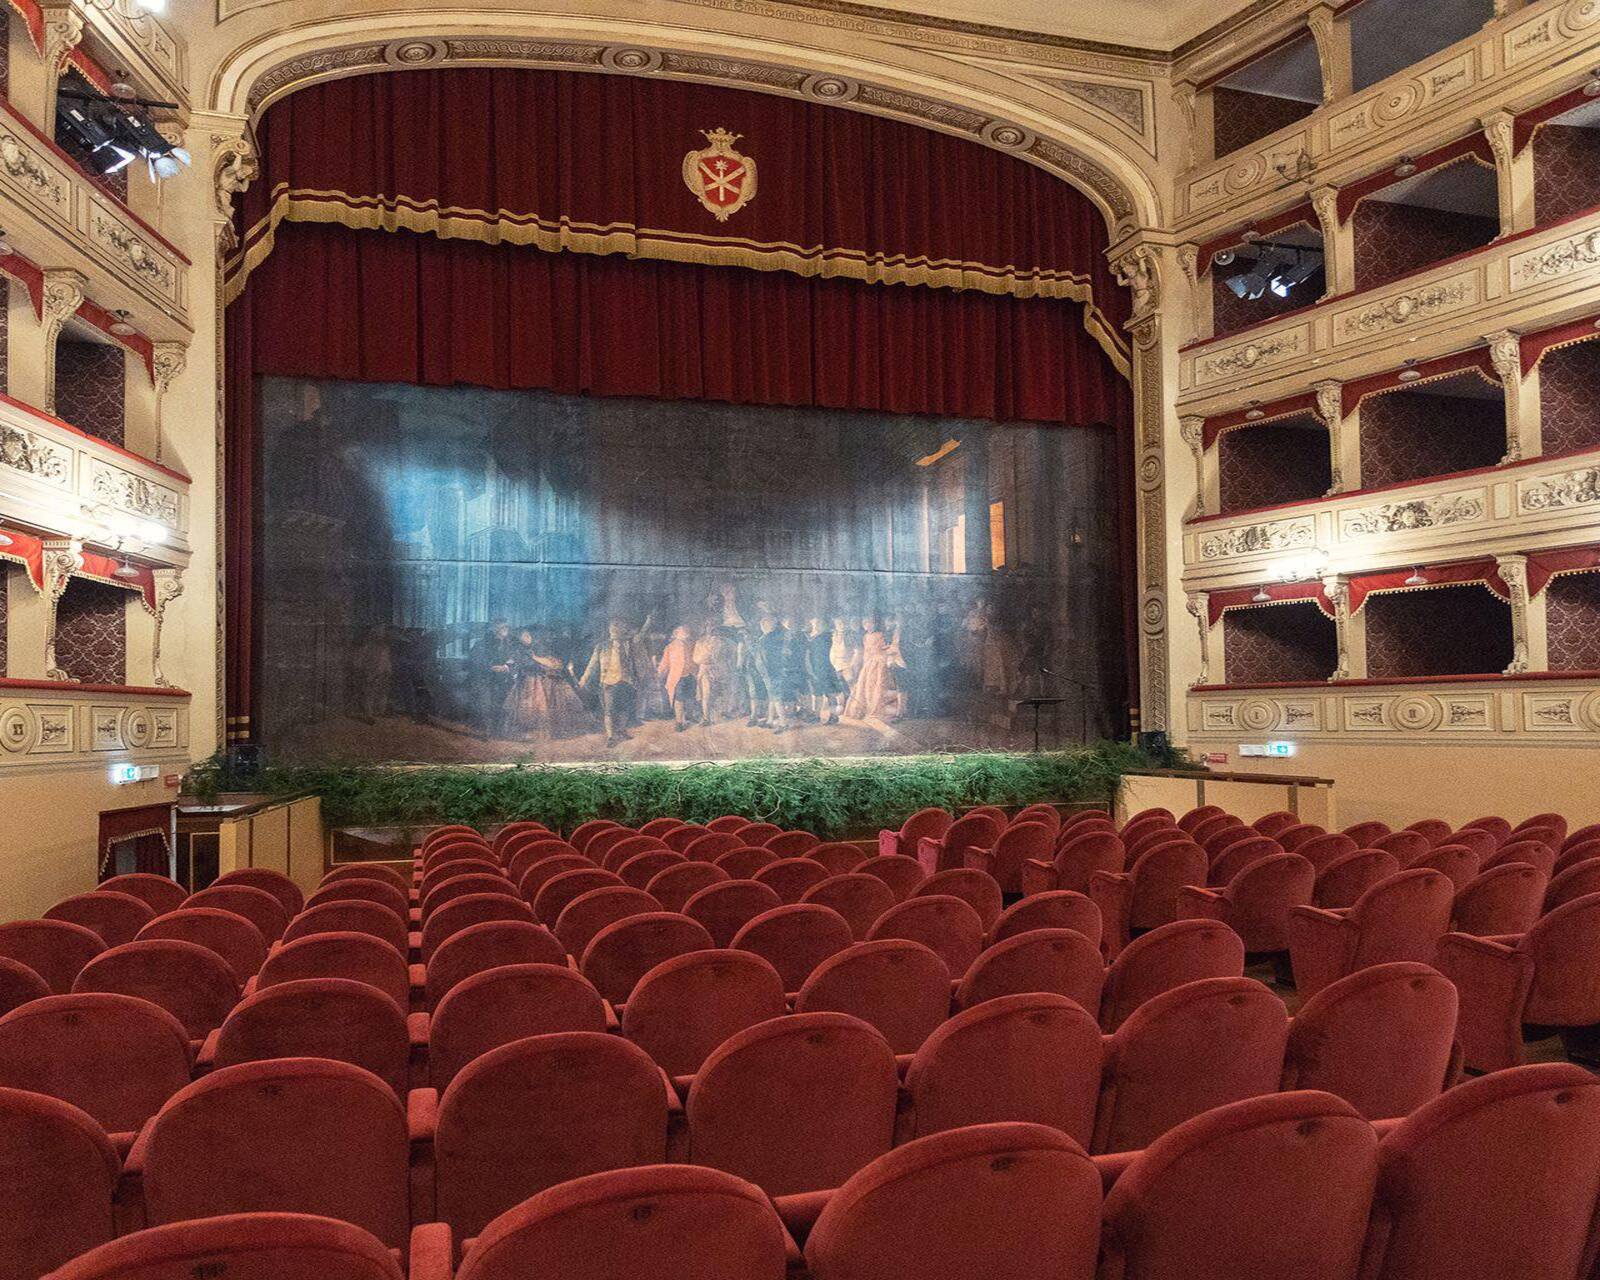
1573, 253
1577, 488
141, 497
1415, 513
1407, 308
35, 456
1257, 539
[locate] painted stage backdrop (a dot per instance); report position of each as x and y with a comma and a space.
451, 574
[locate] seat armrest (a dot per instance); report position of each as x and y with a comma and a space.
431, 1250
1196, 902
417, 1027
1112, 892
1320, 944
888, 842
799, 1212
419, 978
613, 1022
414, 942
206, 1060
422, 1115
1493, 981
251, 986
1113, 1165
929, 849
414, 917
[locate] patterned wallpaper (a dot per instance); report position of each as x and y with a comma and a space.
1392, 239
1569, 397
1281, 642
1573, 604
1230, 313
1566, 160
1438, 631
5, 603
5, 53
1284, 461
5, 332
89, 388
1407, 435
1241, 117
92, 632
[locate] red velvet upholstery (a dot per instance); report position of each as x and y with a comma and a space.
450, 888
1533, 853
946, 925
1575, 882
724, 909
448, 869
1255, 903
673, 886
488, 946
1189, 821
1319, 851
758, 833
1235, 857
1271, 824
1345, 879
1003, 1201
474, 908
535, 852
1552, 822
1034, 1057
1405, 845
280, 886
511, 830
712, 846
542, 1111
1146, 895
1496, 826
18, 985
160, 893
1505, 899
1147, 830
792, 844
1497, 1177
54, 949
680, 835
946, 852
1481, 842
1364, 833
664, 1220
838, 856
1435, 829
116, 917
1383, 1039
795, 940
588, 913
744, 861
1583, 835
498, 1006
790, 877
1045, 813
192, 983
1095, 817
925, 824
860, 899
1074, 861
586, 831
365, 871
600, 845
300, 1135
1401, 918
231, 936
320, 1018
1454, 860
622, 953
904, 875
1213, 832
357, 957
1572, 855
727, 822
619, 853
446, 833
1275, 1188
686, 1006
59, 1172
257, 906
1301, 833
976, 888
1186, 1051
117, 1058
641, 868
1056, 909
1061, 961
1178, 953
795, 1104
897, 986
534, 879
361, 889
1016, 846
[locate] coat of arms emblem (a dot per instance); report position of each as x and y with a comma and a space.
721, 178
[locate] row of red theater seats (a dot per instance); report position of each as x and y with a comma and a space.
1499, 1177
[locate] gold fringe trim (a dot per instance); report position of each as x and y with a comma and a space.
1562, 346
567, 235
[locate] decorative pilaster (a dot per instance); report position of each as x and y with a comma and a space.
1513, 572
1513, 173
1199, 606
1338, 243
1343, 447
167, 363
1522, 400
61, 561
169, 586
234, 166
1192, 432
63, 295
1333, 52
63, 31
1352, 664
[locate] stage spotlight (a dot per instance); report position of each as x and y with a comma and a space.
1224, 257
6, 540
1278, 268
1306, 264
116, 131
120, 325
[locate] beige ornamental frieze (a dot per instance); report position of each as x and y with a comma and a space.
64, 727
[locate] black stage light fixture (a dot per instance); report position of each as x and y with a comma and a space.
116, 131
1276, 268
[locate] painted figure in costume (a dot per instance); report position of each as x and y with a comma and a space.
613, 666
490, 659
792, 675
651, 700
713, 657
823, 685
546, 704
772, 645
845, 653
874, 696
677, 671
371, 668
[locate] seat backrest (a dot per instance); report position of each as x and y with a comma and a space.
1323, 849
280, 886
533, 880
757, 833
1481, 842
231, 936
358, 889
1275, 1187
1047, 814
899, 987
1364, 833
1139, 841
1573, 854
511, 1002
1551, 822
1018, 844
673, 886
541, 1111
1402, 918
510, 831
1219, 831
1454, 860
1061, 961
257, 906
1563, 945
116, 917
1033, 1057
724, 909
444, 833
1498, 827
1056, 909
536, 851
795, 1104
160, 893
1200, 1046
350, 917
1575, 882
1261, 895
970, 831
591, 912
449, 889
860, 899
602, 843
1435, 829
320, 1018
661, 1220
795, 939
461, 913
117, 1058
1002, 1200
1535, 853
356, 957
680, 837
1167, 957
743, 862
488, 946
903, 874
1504, 899
1381, 1038
1079, 817
1271, 823
1237, 856
791, 877
978, 889
59, 1172
54, 949
924, 824
1158, 875
946, 925
18, 985
449, 867
1405, 845
1345, 879
640, 869
1189, 821
686, 1006
586, 831
727, 822
712, 845
296, 1135
192, 983
838, 856
365, 871
1082, 853
623, 952
1293, 837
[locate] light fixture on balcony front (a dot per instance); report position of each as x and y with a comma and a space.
125, 571
1261, 596
6, 540
1409, 373
1591, 86
1405, 168
1254, 413
120, 325
5, 246
1417, 579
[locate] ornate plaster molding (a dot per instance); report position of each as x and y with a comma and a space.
63, 294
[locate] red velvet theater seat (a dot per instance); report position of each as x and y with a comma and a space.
1047, 814
1497, 1177
1319, 851
1401, 918
859, 899
586, 831
948, 851
1235, 857
898, 986
59, 1173
795, 940
1146, 895
992, 1202
1274, 1188
795, 1104
535, 1113
1189, 821
1177, 953
724, 909
838, 856
450, 888
1407, 846
1364, 833
1203, 1045
641, 868
160, 893
350, 917
925, 824
1504, 899
1481, 842
1345, 879
257, 906
659, 827
1016, 846
587, 914
1272, 823
792, 844
1575, 882
540, 873
231, 936
535, 851
672, 1222
1383, 1039
18, 985
624, 952
439, 874
1255, 903
625, 850
54, 949
1060, 961
1034, 1058
1536, 853
1054, 909
116, 1058
1454, 860
297, 1135
976, 888
743, 862
1075, 860
1553, 823
116, 917
561, 889
673, 886
362, 889
500, 1005
1498, 827
947, 926
599, 845
713, 846
192, 983
364, 871
1436, 830
511, 830
686, 1006
791, 877
903, 875
357, 957
451, 917
727, 822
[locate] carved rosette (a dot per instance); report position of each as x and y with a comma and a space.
61, 561
62, 296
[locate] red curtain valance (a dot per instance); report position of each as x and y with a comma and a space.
594, 164
28, 551
1483, 572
